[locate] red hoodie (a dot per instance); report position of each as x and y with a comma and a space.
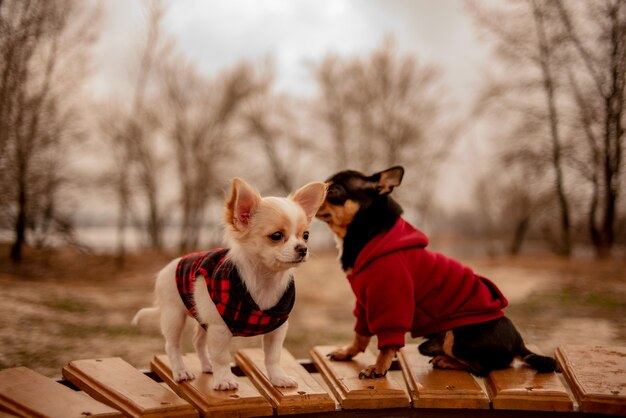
400, 286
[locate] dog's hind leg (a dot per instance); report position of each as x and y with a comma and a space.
172, 325
487, 346
446, 362
199, 343
440, 347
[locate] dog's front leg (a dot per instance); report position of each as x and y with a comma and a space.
359, 344
272, 347
219, 337
383, 363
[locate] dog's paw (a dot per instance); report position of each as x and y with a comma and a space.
283, 381
342, 354
370, 372
226, 382
207, 368
183, 374
445, 362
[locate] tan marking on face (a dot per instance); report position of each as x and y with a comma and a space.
301, 229
272, 216
338, 217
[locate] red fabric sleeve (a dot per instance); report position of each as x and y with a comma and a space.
389, 299
361, 321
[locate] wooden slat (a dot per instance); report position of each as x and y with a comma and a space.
433, 388
243, 402
27, 393
352, 392
117, 383
307, 397
597, 376
521, 388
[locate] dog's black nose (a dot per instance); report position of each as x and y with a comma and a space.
301, 250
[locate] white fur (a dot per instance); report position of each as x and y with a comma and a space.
264, 285
266, 270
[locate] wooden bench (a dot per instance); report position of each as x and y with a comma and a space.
593, 383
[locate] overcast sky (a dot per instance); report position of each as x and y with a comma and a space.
218, 34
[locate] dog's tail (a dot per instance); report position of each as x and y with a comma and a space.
150, 312
543, 364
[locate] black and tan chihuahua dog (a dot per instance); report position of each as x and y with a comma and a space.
400, 286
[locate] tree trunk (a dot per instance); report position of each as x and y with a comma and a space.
549, 88
519, 234
614, 133
20, 224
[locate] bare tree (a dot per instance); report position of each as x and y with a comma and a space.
39, 41
130, 133
584, 100
142, 124
545, 47
378, 107
112, 129
273, 121
530, 92
385, 109
333, 105
599, 95
199, 114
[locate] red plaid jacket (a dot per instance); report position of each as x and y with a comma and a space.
233, 302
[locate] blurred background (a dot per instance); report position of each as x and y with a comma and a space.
122, 121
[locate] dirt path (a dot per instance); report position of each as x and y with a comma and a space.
57, 312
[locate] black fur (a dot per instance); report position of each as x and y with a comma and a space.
488, 346
482, 347
377, 213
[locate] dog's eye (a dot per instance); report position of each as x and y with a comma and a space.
305, 236
277, 236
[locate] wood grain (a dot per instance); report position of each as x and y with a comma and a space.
433, 388
354, 393
27, 393
118, 384
597, 376
243, 402
521, 388
307, 397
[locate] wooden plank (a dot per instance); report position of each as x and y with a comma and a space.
433, 388
118, 384
307, 397
597, 376
27, 393
355, 393
521, 388
243, 402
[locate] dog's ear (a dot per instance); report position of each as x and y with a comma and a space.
241, 205
388, 179
310, 197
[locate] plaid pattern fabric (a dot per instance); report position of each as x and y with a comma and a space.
233, 302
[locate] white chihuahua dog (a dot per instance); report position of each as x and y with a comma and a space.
245, 290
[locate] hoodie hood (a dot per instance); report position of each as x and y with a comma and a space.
400, 237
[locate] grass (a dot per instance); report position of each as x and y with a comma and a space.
46, 321
66, 305
606, 301
575, 301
